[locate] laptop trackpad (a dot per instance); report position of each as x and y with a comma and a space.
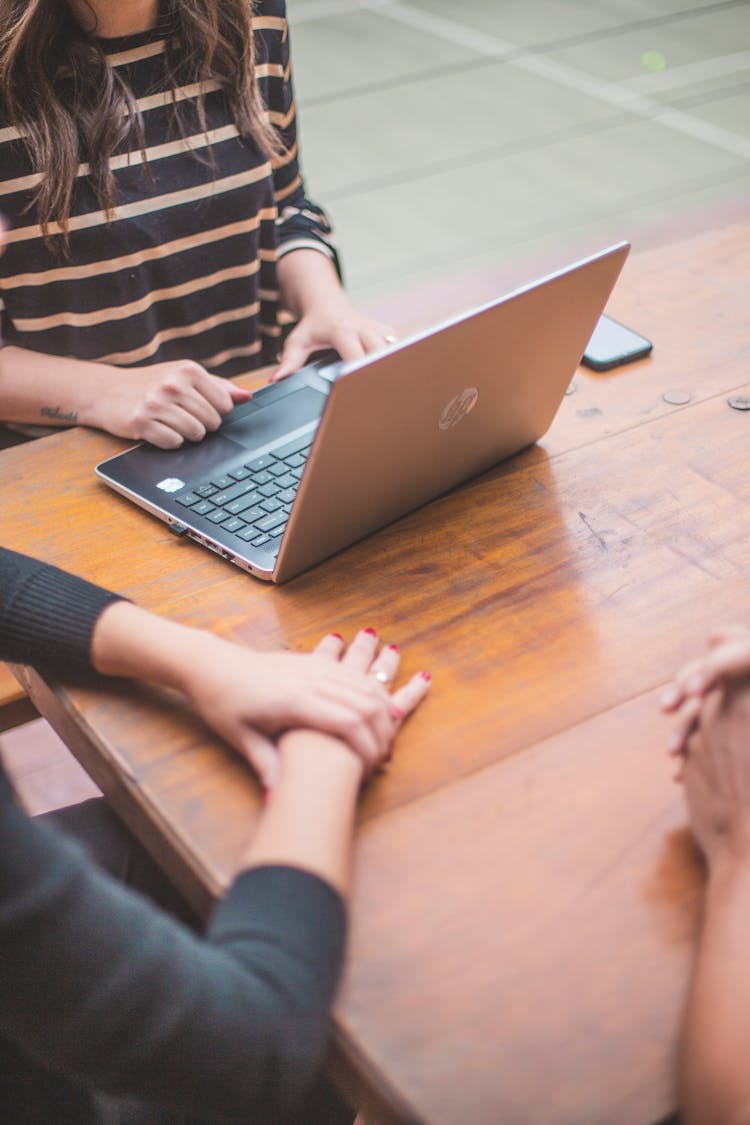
282, 416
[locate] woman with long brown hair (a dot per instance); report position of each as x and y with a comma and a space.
149, 168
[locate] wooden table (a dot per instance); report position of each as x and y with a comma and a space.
526, 894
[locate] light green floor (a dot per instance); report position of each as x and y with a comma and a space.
463, 145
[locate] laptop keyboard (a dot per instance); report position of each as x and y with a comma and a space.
253, 500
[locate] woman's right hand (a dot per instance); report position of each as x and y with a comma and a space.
164, 404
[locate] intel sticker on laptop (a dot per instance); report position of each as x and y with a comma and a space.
171, 484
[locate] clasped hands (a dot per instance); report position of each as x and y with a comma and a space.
251, 698
710, 698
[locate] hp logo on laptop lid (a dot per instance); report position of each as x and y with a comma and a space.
458, 408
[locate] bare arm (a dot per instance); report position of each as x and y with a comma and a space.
311, 290
317, 772
251, 697
165, 403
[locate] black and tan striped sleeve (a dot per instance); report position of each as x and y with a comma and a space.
301, 224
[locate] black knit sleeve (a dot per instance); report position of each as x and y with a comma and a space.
102, 986
47, 616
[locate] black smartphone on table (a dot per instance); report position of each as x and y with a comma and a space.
612, 344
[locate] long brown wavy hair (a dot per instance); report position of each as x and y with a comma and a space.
70, 106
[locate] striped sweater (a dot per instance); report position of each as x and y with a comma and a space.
186, 269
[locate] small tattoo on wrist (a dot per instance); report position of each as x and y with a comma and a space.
57, 413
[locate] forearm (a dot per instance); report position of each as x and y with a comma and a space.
130, 641
50, 390
310, 817
715, 1075
308, 280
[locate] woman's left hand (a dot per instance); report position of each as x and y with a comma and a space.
337, 325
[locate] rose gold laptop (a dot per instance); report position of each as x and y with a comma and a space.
321, 459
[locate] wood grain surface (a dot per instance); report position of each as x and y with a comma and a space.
526, 893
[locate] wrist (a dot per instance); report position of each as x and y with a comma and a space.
90, 393
327, 756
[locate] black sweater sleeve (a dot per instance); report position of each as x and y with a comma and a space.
47, 616
97, 983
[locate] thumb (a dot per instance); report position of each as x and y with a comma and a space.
240, 394
293, 356
262, 755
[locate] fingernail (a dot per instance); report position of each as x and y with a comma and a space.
370, 632
337, 636
426, 676
668, 697
393, 648
266, 794
396, 712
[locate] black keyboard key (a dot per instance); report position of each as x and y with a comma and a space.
240, 474
204, 490
295, 461
259, 463
233, 493
295, 446
203, 508
271, 505
222, 482
218, 515
271, 521
233, 524
237, 507
187, 499
248, 534
269, 489
261, 478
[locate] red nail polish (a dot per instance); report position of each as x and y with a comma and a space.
396, 712
370, 632
426, 676
393, 648
337, 636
